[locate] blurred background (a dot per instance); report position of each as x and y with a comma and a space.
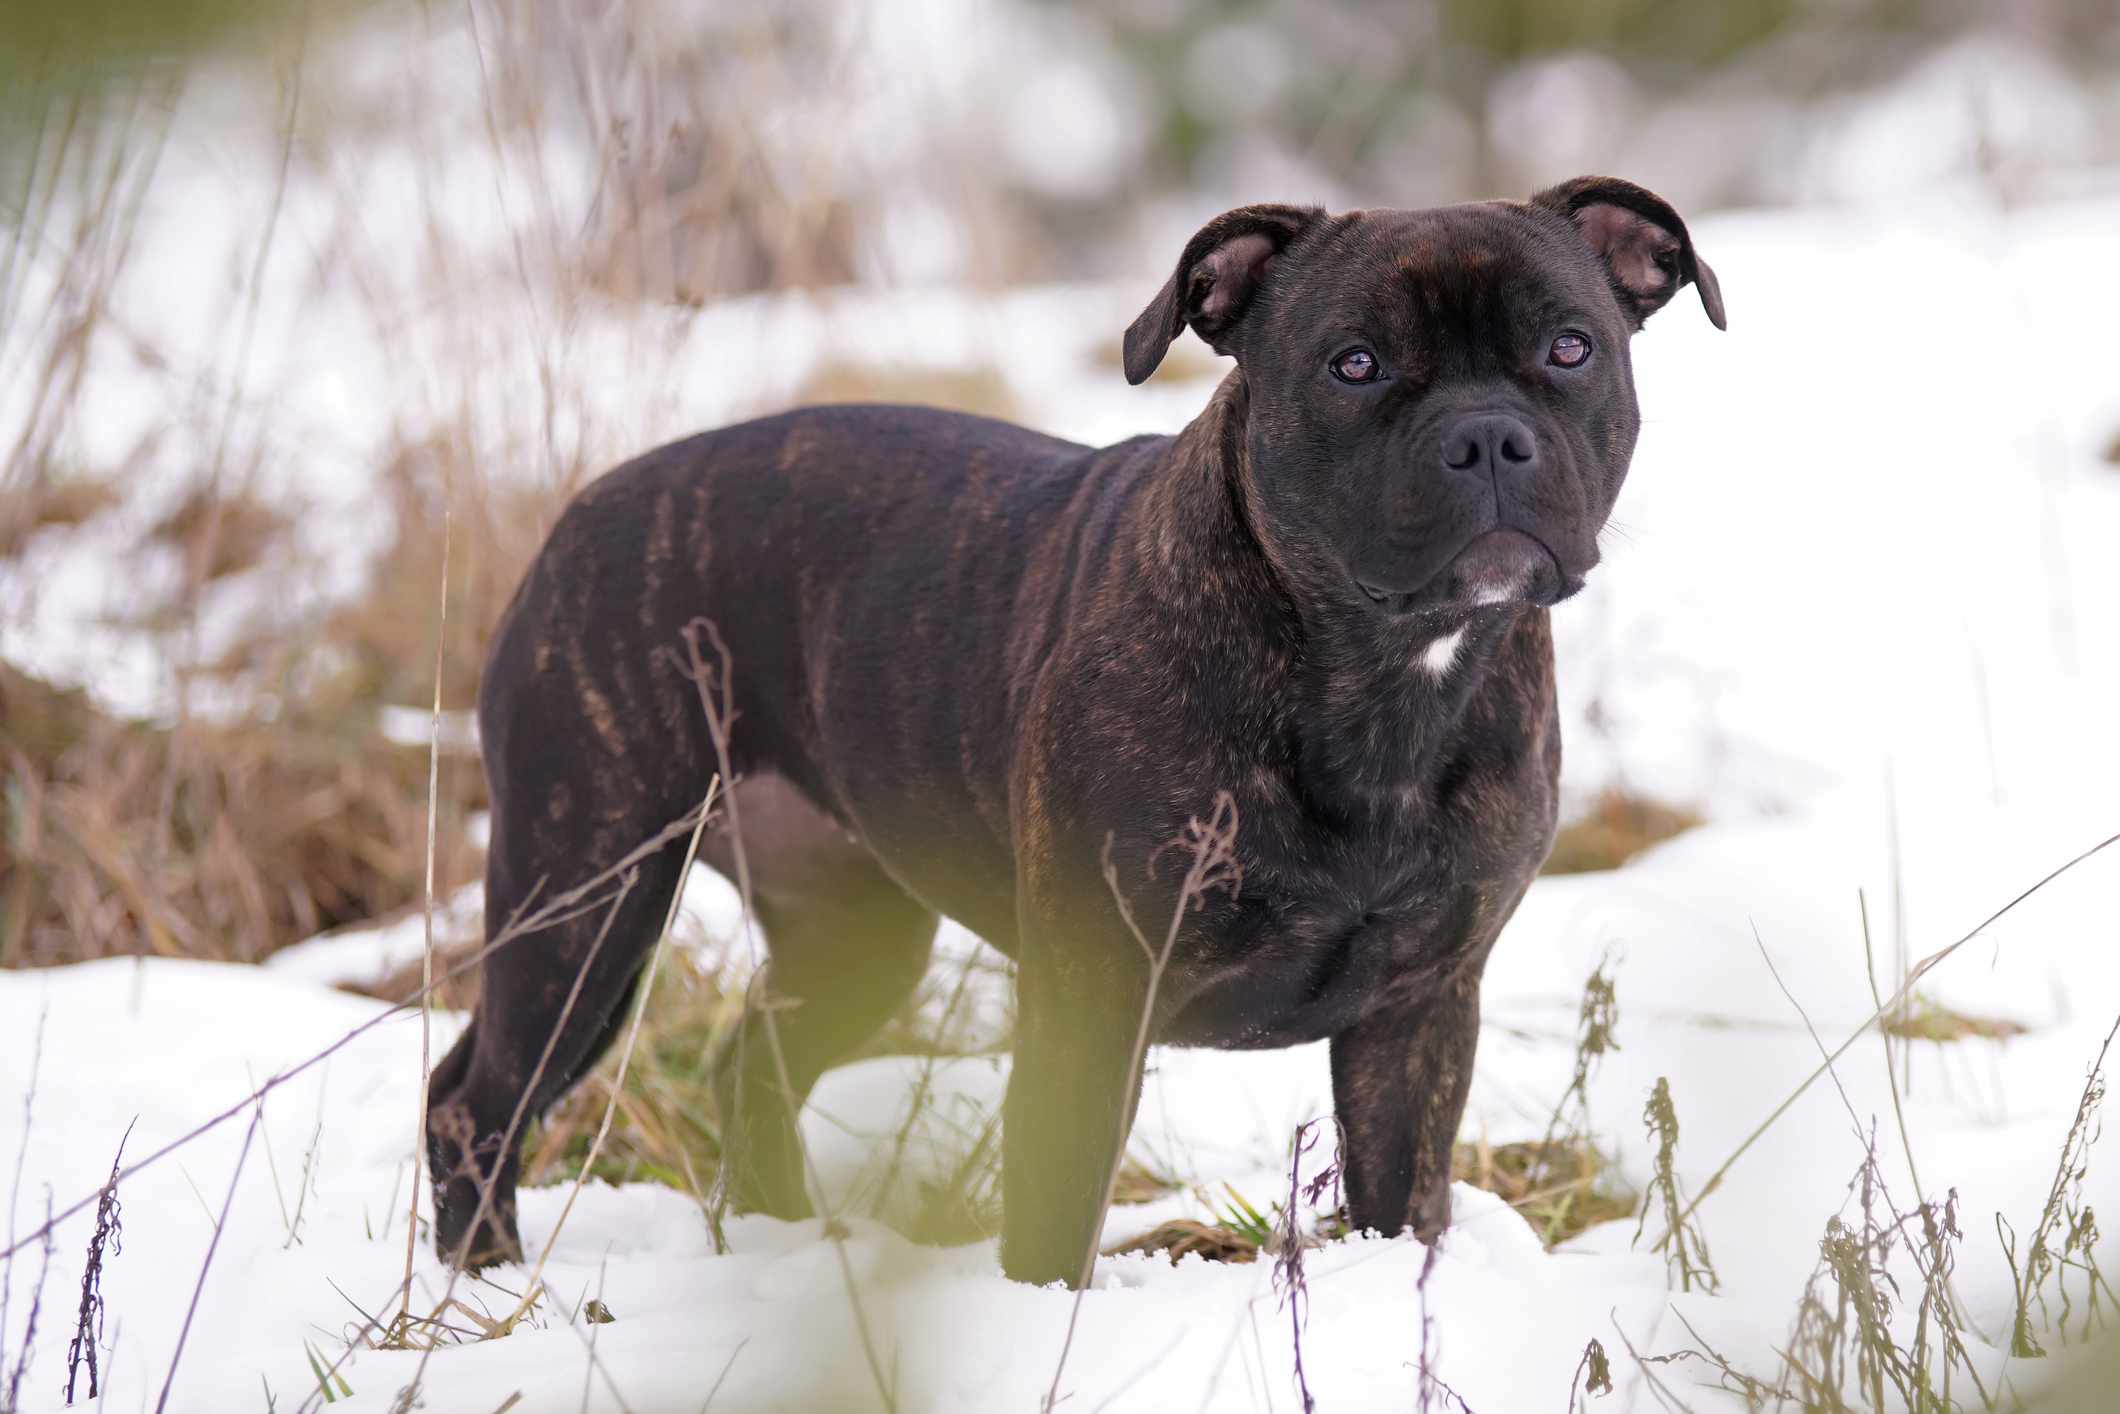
311, 314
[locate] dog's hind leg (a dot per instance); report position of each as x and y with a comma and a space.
549, 1004
847, 945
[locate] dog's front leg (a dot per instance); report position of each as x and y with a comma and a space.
1071, 1098
1399, 1082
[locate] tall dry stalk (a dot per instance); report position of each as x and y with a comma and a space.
213, 1245
572, 903
434, 781
1214, 865
1906, 990
714, 682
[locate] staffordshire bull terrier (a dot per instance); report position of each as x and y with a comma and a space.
970, 663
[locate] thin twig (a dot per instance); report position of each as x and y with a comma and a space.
220, 1225
720, 715
1906, 989
1899, 1220
509, 1136
715, 1388
642, 992
29, 1326
559, 908
434, 781
1214, 866
1891, 1071
14, 1192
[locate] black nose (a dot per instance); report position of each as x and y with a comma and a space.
1489, 444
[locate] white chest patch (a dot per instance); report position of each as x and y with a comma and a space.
1440, 654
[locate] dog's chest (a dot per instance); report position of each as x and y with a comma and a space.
1303, 957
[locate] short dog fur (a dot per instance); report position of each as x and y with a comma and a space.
965, 655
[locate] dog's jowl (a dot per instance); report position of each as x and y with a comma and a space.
969, 663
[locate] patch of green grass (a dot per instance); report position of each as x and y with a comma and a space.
1239, 1232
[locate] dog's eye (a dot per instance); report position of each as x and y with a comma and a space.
1355, 366
1569, 351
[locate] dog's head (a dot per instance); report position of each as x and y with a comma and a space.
1441, 407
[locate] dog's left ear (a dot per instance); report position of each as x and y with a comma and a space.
1642, 241
1216, 276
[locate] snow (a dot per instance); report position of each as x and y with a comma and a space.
1857, 609
173, 1042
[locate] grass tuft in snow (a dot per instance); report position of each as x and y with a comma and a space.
1140, 1181
1180, 1238
1560, 1189
1925, 1019
1843, 1341
1684, 1246
222, 840
331, 1384
1596, 1025
1238, 1232
1559, 1184
671, 1132
2065, 1238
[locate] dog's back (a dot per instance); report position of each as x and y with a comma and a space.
860, 565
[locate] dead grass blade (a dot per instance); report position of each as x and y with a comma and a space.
434, 779
169, 1378
1213, 866
1906, 989
88, 1321
717, 698
528, 919
2066, 1212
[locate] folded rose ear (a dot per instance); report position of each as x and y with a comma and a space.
1642, 240
1216, 276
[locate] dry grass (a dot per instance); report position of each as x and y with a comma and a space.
1925, 1019
222, 841
229, 838
668, 1130
381, 644
220, 534
453, 991
1560, 1190
1188, 1237
1141, 1182
1618, 825
981, 390
46, 503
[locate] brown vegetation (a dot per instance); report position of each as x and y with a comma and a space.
207, 840
1618, 825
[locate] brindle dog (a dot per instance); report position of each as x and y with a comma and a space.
965, 655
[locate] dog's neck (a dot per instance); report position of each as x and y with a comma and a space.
1366, 704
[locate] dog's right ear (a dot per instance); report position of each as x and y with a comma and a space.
1216, 277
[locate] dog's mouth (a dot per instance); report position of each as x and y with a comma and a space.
1500, 566
1390, 601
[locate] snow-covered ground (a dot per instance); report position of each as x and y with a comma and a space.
317, 1230
1859, 609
